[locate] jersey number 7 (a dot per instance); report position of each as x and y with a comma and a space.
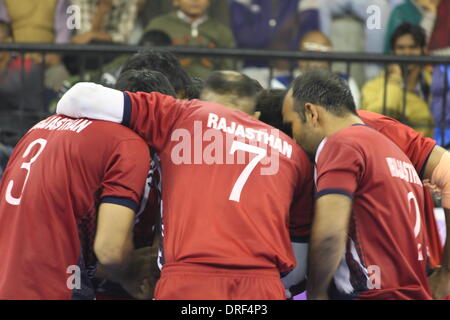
260, 154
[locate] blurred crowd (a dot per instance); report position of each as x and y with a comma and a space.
30, 84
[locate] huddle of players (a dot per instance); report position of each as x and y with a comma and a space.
228, 230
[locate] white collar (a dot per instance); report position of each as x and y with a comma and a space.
194, 24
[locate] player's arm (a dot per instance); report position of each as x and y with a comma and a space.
122, 188
339, 166
151, 115
113, 240
93, 101
328, 240
437, 170
113, 246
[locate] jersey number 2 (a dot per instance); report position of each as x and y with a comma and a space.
417, 223
260, 154
27, 166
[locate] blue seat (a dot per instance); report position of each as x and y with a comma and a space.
438, 136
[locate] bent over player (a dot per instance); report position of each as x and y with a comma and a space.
367, 240
59, 174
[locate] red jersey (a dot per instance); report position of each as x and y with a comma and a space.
228, 183
57, 175
418, 148
144, 231
385, 255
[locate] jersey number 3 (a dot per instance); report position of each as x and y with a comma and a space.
260, 154
27, 166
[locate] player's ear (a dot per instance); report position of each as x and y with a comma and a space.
256, 115
311, 113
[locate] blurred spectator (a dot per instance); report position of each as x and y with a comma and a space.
440, 37
270, 24
153, 8
105, 20
20, 95
417, 12
191, 26
149, 9
257, 24
441, 75
140, 23
218, 10
408, 86
40, 21
314, 41
37, 21
440, 44
359, 9
355, 25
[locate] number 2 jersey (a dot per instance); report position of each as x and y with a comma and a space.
418, 148
229, 183
386, 251
57, 175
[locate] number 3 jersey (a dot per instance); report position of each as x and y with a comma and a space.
229, 183
386, 251
57, 175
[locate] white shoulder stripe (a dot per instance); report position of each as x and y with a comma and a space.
319, 150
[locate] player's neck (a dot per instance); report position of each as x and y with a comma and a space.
335, 123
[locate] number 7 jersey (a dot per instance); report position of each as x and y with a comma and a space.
229, 183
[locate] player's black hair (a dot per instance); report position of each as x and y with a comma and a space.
7, 28
166, 63
269, 103
198, 85
324, 88
144, 80
236, 84
417, 32
155, 38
